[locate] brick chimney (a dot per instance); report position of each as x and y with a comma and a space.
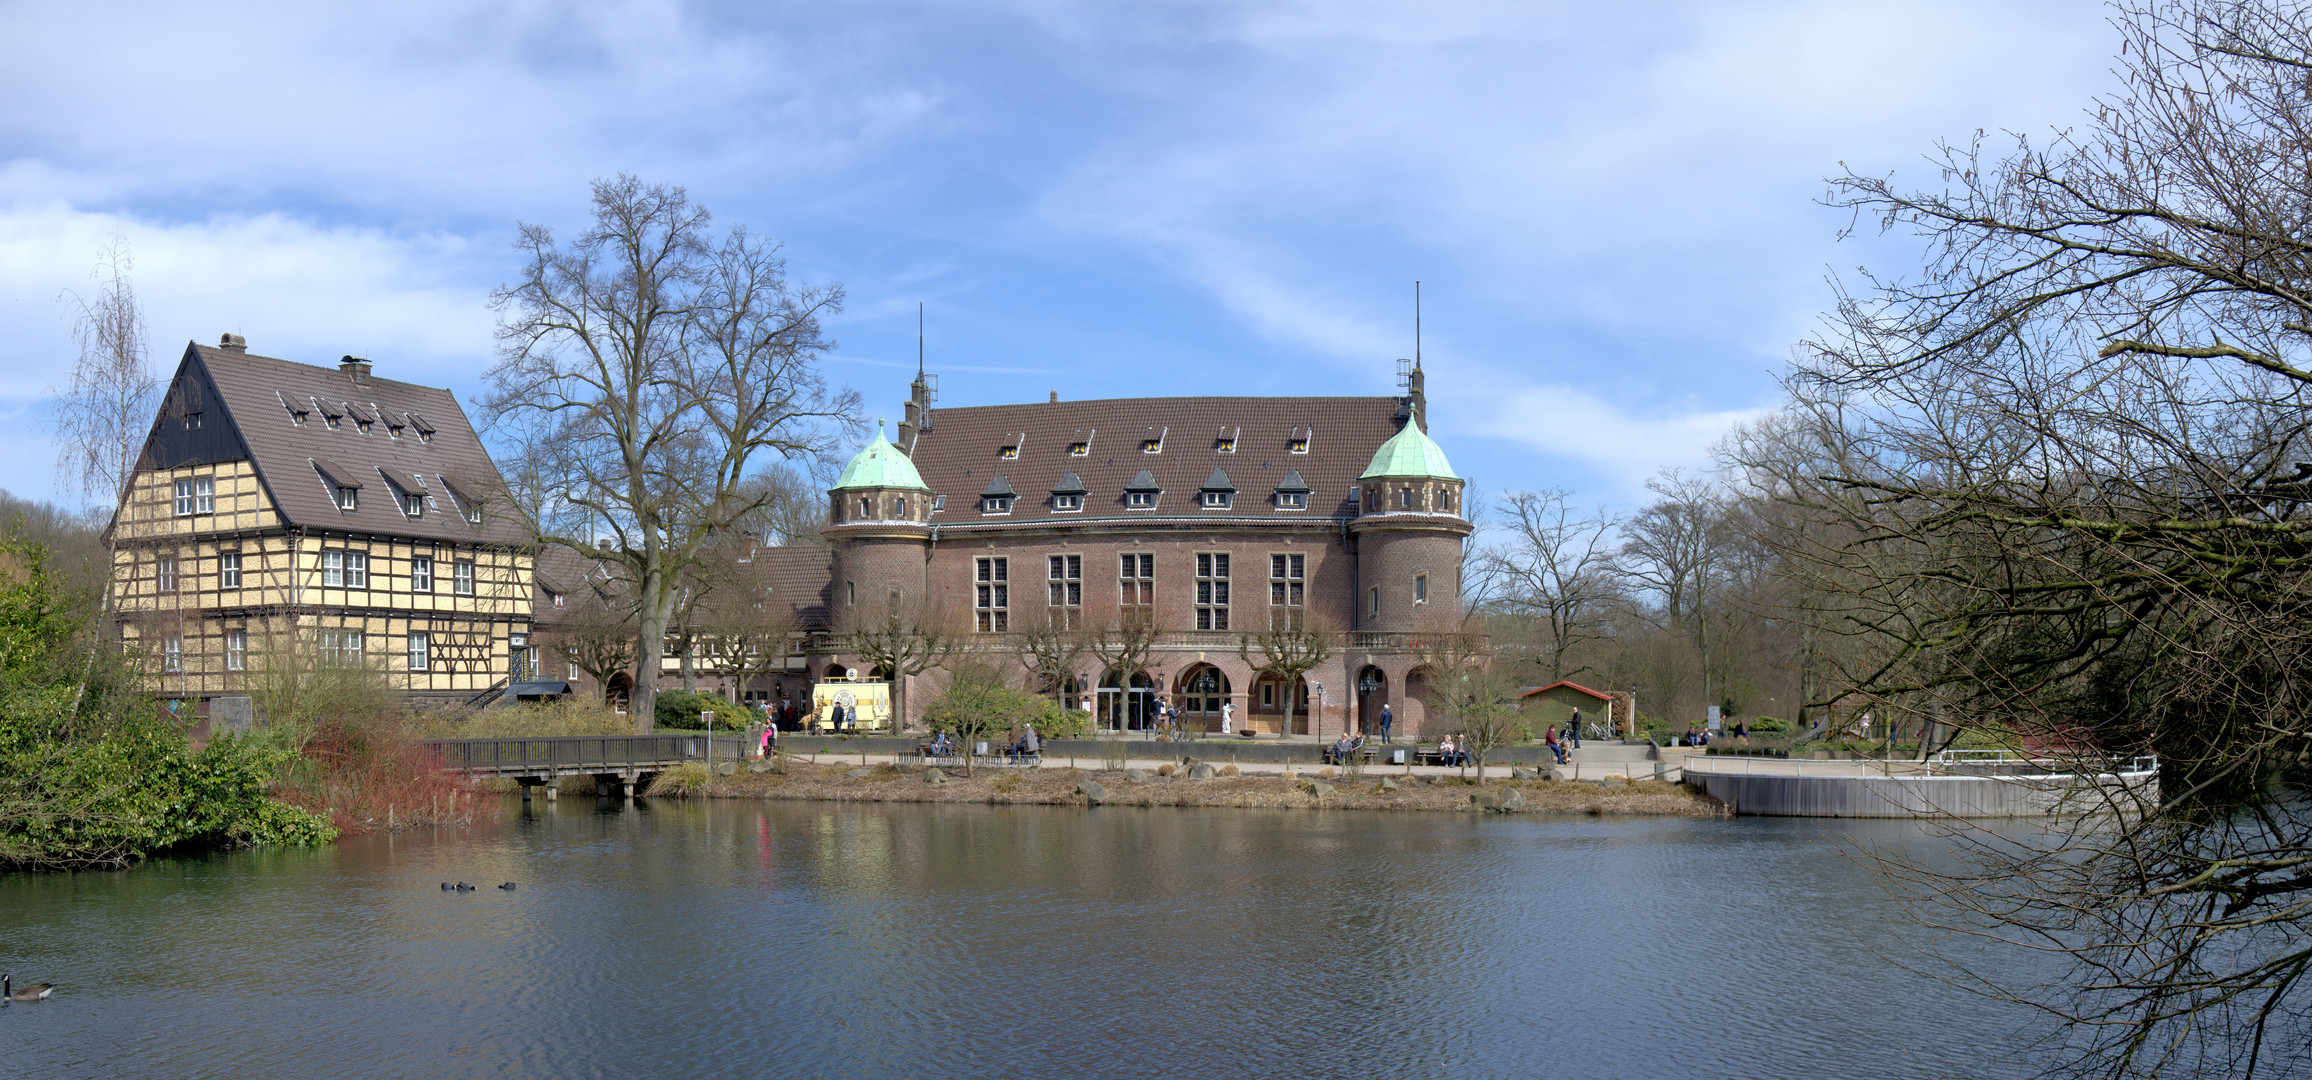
354, 366
235, 342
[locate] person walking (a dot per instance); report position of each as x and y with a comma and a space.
1386, 720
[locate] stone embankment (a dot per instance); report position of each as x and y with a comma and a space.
1201, 784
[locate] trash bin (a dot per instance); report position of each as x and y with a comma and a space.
980, 748
1397, 756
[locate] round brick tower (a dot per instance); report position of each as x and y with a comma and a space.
880, 526
1409, 531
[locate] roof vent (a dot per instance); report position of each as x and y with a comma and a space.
354, 366
235, 342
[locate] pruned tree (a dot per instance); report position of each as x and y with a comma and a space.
1124, 647
905, 638
2060, 473
1050, 649
656, 369
1481, 699
1556, 567
1289, 650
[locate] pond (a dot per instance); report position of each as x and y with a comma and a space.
868, 940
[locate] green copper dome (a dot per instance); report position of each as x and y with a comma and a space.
880, 465
1410, 453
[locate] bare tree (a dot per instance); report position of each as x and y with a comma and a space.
1481, 700
1555, 567
657, 369
1289, 649
1050, 651
1125, 647
107, 408
2060, 477
1674, 548
906, 639
597, 635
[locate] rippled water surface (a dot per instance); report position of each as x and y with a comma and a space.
843, 940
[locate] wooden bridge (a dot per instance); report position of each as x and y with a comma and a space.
620, 760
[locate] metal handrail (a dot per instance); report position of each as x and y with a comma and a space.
577, 751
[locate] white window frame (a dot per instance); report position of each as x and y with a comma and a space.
1212, 594
421, 573
1421, 588
462, 577
348, 497
228, 569
173, 653
1141, 500
420, 651
1292, 500
236, 650
1067, 504
1217, 500
184, 504
991, 587
164, 573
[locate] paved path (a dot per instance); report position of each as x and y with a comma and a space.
1141, 760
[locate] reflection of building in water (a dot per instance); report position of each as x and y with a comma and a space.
1197, 521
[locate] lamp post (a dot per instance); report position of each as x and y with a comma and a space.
1319, 726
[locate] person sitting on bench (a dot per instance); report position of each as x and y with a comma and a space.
941, 747
1342, 749
1029, 746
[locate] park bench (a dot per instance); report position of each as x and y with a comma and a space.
1364, 755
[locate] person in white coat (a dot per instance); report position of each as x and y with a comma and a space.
1227, 715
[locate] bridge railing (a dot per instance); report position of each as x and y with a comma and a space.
575, 752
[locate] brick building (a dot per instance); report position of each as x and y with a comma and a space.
288, 513
1205, 518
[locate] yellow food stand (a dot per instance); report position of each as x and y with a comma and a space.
871, 697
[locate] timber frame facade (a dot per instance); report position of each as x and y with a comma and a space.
285, 514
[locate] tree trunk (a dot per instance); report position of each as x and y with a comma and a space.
650, 618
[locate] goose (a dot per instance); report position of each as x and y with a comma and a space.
509, 886
463, 887
34, 992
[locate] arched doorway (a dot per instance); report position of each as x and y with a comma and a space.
1203, 690
1372, 690
618, 690
1126, 705
1270, 702
1414, 716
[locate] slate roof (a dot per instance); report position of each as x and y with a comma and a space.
299, 462
801, 576
962, 452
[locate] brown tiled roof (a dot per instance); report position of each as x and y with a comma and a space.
261, 392
961, 454
802, 576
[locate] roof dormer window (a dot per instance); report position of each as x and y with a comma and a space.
1140, 500
1067, 503
1292, 500
1216, 500
1010, 453
1298, 441
1217, 493
1154, 444
1079, 449
348, 498
996, 504
1225, 442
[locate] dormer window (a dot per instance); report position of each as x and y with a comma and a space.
938, 503
1010, 453
1067, 503
347, 497
1141, 493
997, 499
1140, 500
1079, 449
1151, 446
1225, 443
557, 598
412, 504
297, 412
1216, 500
1298, 441
1292, 500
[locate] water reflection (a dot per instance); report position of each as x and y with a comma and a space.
840, 940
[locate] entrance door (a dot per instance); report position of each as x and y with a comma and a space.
1126, 707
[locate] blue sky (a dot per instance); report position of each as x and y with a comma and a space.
1612, 207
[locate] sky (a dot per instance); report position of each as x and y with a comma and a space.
1615, 210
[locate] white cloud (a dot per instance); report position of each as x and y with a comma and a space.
1573, 424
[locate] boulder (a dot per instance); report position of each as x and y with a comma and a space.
860, 774
1505, 801
1092, 792
934, 776
728, 768
1318, 788
1201, 771
1135, 776
1387, 785
762, 766
1520, 772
